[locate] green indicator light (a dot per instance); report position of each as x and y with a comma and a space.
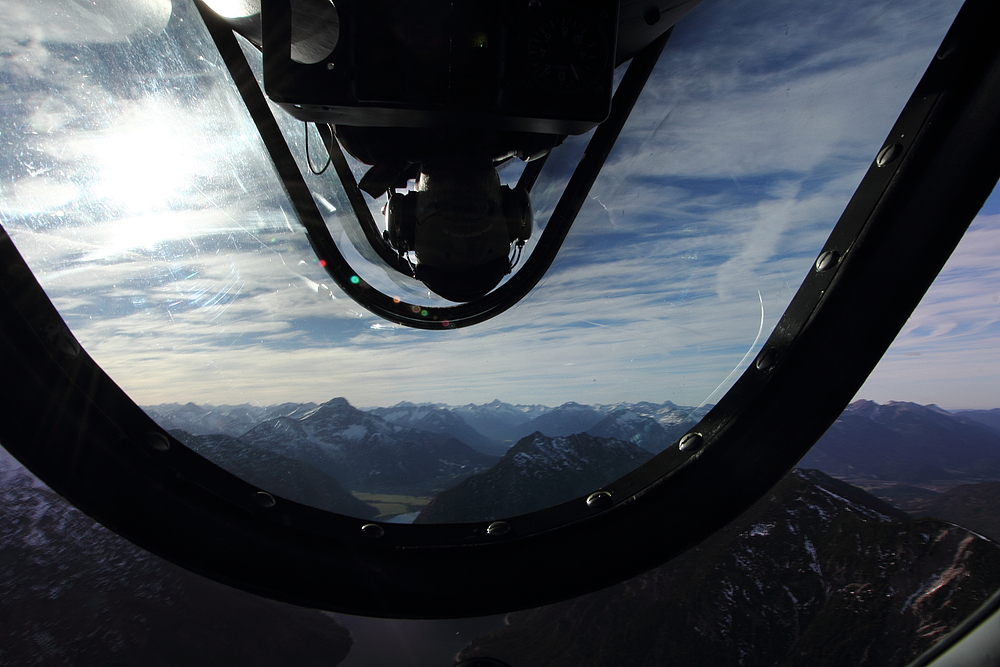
355, 280
424, 313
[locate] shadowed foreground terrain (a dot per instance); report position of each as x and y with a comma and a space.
816, 573
73, 593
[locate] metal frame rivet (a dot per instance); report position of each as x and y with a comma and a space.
372, 530
888, 154
498, 528
765, 360
946, 50
68, 346
827, 260
157, 441
599, 500
264, 499
691, 442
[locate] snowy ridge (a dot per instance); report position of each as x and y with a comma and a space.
365, 452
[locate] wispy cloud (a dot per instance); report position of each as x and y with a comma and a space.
180, 267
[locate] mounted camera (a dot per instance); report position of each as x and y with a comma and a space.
531, 66
434, 95
440, 92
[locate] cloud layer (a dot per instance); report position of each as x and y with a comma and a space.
138, 191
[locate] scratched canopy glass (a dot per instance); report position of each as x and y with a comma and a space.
138, 190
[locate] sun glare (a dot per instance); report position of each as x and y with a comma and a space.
144, 169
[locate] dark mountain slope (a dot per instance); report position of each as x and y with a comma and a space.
905, 442
281, 475
72, 593
497, 420
989, 418
537, 472
567, 419
972, 506
817, 573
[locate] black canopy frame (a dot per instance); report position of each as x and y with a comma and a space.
71, 425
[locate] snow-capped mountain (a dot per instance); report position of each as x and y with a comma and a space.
490, 428
640, 429
896, 442
231, 420
505, 422
817, 573
667, 414
537, 472
364, 452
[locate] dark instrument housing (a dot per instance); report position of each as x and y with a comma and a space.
543, 67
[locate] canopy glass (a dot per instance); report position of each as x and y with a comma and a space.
140, 193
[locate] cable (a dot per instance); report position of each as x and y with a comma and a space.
329, 159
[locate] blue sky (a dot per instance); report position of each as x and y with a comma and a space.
136, 188
949, 351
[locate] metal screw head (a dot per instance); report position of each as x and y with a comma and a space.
330, 65
157, 441
946, 49
691, 442
498, 528
827, 260
372, 530
68, 346
264, 499
888, 154
766, 359
599, 500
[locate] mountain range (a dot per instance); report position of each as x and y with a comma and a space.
440, 420
364, 452
232, 420
907, 443
491, 428
902, 452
